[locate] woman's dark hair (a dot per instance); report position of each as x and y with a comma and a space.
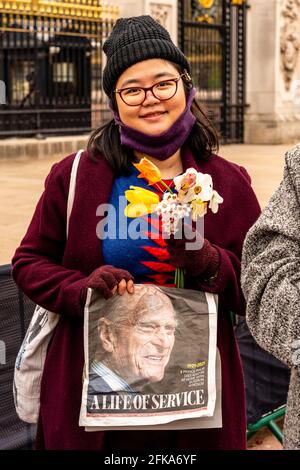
105, 140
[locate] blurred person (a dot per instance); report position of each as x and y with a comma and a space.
155, 114
270, 280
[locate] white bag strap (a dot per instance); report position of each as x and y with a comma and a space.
72, 187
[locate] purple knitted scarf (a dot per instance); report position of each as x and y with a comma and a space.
164, 145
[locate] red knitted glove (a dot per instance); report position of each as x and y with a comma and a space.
202, 262
105, 278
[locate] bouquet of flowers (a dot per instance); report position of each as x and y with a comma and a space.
194, 196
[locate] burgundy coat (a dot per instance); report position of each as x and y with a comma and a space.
52, 272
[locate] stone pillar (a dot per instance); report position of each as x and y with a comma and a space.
164, 11
273, 72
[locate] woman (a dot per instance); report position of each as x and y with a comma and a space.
155, 114
270, 279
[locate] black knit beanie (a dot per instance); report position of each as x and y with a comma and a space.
133, 40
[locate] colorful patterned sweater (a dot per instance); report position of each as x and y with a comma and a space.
145, 257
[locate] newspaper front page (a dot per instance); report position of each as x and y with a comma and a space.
151, 360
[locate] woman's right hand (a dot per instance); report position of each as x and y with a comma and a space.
108, 280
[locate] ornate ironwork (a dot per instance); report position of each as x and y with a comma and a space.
204, 10
80, 9
51, 62
289, 40
215, 47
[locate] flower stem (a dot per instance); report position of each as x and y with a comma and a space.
166, 186
179, 278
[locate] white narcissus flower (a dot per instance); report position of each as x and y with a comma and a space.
195, 194
199, 209
186, 180
216, 199
184, 185
204, 186
186, 197
171, 211
193, 183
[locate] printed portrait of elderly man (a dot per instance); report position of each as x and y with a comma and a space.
136, 339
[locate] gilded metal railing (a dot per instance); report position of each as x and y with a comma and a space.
212, 34
51, 62
80, 9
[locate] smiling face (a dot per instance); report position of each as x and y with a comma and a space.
140, 349
153, 116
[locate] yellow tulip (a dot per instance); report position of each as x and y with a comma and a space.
148, 171
141, 201
140, 195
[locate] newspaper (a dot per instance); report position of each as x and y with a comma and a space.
151, 361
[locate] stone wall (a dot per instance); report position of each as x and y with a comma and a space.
45, 148
273, 72
163, 11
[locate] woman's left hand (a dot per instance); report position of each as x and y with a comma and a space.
203, 261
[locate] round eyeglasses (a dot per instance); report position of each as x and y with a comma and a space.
135, 96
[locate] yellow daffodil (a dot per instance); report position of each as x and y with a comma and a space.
148, 171
141, 201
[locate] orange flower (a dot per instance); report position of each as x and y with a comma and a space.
148, 171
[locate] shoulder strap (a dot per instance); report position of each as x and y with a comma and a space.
72, 187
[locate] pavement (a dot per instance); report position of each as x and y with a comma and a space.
264, 440
22, 180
